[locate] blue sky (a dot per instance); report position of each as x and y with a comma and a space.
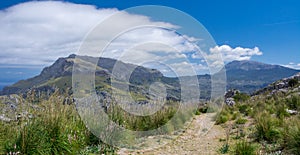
273, 27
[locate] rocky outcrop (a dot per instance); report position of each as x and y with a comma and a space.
13, 108
229, 100
283, 85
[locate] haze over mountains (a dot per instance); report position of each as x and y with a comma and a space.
246, 76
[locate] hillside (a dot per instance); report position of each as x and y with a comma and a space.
246, 76
59, 75
266, 123
60, 72
249, 76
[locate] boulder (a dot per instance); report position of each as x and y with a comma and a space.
230, 101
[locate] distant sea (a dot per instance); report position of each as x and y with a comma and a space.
3, 84
11, 75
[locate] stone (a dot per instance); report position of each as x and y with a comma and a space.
230, 101
292, 112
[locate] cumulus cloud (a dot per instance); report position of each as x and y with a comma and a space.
238, 53
37, 33
218, 56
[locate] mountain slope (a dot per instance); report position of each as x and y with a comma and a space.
246, 76
59, 74
249, 76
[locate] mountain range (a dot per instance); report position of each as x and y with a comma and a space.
249, 76
246, 76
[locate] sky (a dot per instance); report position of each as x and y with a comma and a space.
33, 34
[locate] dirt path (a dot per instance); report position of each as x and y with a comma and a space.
198, 139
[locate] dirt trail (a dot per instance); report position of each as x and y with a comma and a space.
198, 139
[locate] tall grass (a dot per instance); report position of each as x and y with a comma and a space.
56, 129
168, 119
292, 136
267, 128
244, 148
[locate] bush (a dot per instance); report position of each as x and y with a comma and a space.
57, 129
197, 112
292, 137
281, 111
266, 128
244, 148
293, 102
241, 120
224, 149
293, 82
241, 97
222, 119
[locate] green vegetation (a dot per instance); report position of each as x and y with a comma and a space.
241, 121
244, 148
268, 123
241, 97
55, 129
144, 123
293, 82
224, 149
291, 136
267, 128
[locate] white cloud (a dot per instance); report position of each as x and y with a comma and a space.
293, 65
38, 32
238, 53
219, 55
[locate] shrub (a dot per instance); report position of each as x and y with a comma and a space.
197, 112
235, 115
7, 134
241, 97
222, 119
293, 102
266, 128
292, 136
243, 108
57, 129
241, 120
281, 111
244, 148
293, 82
224, 149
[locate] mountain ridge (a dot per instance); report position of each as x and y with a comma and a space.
247, 76
250, 76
